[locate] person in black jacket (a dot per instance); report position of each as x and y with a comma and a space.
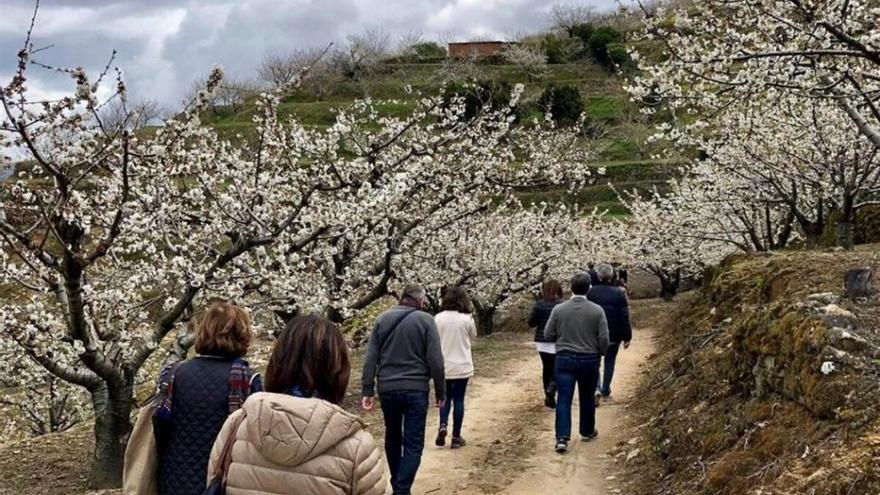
613, 300
621, 276
594, 277
202, 392
551, 295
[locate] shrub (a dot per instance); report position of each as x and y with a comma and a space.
492, 93
563, 102
618, 55
560, 50
583, 31
427, 50
597, 46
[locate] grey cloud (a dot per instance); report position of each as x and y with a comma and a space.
164, 45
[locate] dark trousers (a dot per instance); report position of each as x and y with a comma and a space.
608, 368
455, 390
581, 370
548, 372
405, 412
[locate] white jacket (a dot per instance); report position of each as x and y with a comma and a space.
456, 331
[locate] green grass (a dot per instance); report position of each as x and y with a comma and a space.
603, 108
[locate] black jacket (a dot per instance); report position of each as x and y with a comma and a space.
199, 407
539, 316
613, 301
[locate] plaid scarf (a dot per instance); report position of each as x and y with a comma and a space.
239, 384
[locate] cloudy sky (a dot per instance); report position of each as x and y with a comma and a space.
164, 45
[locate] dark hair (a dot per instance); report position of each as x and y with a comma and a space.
580, 284
224, 330
551, 290
455, 299
312, 354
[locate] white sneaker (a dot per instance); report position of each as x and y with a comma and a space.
561, 446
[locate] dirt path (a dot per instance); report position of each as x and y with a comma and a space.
510, 434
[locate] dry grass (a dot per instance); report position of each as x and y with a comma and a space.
715, 421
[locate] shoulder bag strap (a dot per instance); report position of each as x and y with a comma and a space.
394, 327
166, 383
226, 455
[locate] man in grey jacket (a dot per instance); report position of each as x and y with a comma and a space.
580, 331
403, 355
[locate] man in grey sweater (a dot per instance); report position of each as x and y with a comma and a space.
580, 330
404, 354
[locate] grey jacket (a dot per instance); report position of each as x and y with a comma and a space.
578, 326
406, 357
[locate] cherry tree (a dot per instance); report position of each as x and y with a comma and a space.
657, 238
112, 240
719, 53
715, 205
802, 153
505, 252
444, 166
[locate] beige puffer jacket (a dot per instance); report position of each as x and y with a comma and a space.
290, 445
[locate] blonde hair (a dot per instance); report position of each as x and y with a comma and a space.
224, 330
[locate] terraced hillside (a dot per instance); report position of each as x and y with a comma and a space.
624, 154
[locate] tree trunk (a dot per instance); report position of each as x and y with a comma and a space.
858, 283
485, 316
112, 405
846, 227
846, 234
813, 233
669, 283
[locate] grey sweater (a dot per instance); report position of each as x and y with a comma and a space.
406, 357
578, 326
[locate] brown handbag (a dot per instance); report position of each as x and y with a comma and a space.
217, 486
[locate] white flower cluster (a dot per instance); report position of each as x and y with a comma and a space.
112, 239
777, 97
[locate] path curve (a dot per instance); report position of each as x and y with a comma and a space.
510, 434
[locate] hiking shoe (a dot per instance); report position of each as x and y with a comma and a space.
457, 443
441, 437
598, 398
591, 436
561, 446
550, 401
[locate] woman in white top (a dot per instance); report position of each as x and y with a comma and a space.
457, 328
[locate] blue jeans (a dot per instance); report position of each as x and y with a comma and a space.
455, 390
608, 372
581, 370
405, 412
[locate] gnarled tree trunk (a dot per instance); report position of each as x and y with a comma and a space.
846, 226
112, 404
669, 283
485, 318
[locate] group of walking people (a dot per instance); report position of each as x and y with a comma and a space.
574, 339
220, 427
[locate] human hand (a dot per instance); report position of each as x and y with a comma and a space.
440, 403
368, 403
626, 344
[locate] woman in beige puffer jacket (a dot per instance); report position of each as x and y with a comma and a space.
294, 439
